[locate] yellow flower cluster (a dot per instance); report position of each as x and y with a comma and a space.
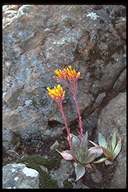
57, 93
67, 73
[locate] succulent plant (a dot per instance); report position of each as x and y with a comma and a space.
78, 145
81, 154
110, 149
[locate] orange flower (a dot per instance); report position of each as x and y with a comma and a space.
67, 73
57, 93
60, 74
71, 74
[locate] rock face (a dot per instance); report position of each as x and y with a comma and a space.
18, 176
8, 139
113, 117
38, 39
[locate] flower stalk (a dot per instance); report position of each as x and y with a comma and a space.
73, 86
71, 76
57, 94
66, 125
79, 117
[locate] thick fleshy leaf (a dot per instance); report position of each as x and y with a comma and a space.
66, 154
96, 145
109, 148
107, 153
100, 160
79, 171
102, 141
75, 141
82, 156
117, 149
98, 151
114, 140
84, 143
90, 158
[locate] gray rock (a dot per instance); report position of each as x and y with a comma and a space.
113, 117
120, 84
109, 76
30, 135
54, 145
119, 178
18, 176
90, 123
52, 133
79, 185
99, 99
9, 12
9, 140
63, 173
24, 10
96, 176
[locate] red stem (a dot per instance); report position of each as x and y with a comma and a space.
74, 93
66, 125
79, 116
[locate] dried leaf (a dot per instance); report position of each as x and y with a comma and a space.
89, 166
79, 171
107, 162
66, 154
102, 141
44, 168
98, 151
100, 160
114, 141
117, 149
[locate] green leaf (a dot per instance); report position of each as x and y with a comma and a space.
91, 157
114, 141
107, 153
84, 143
75, 141
79, 171
109, 148
102, 141
78, 154
117, 149
100, 160
81, 155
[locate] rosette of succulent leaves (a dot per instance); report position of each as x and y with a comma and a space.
83, 157
81, 154
110, 149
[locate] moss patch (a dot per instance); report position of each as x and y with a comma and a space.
34, 161
46, 181
37, 160
67, 184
